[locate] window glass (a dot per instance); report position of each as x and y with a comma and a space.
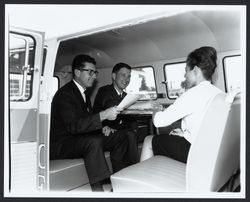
143, 82
21, 66
233, 69
174, 74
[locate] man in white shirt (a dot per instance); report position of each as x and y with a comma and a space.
189, 107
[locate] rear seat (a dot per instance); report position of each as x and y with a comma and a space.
68, 174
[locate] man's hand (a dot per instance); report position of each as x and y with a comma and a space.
106, 130
149, 105
110, 113
177, 132
156, 106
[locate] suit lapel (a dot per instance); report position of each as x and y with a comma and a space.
85, 105
115, 94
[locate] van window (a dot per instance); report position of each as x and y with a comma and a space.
174, 76
233, 71
143, 82
21, 66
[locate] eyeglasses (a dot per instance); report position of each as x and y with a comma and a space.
91, 71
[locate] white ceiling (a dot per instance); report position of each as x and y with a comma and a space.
159, 39
122, 31
60, 20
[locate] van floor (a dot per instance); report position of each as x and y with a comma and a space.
87, 188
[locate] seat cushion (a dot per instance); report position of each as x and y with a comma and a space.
67, 174
157, 174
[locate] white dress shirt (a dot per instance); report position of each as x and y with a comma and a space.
119, 94
190, 107
81, 89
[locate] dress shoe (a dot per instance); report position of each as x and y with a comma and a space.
97, 187
106, 181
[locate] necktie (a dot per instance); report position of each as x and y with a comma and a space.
87, 102
122, 95
84, 96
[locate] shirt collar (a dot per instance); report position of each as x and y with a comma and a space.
205, 82
118, 91
79, 86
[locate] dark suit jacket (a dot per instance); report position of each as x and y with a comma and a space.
107, 97
70, 115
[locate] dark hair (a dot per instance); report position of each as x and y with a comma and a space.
79, 61
120, 65
204, 58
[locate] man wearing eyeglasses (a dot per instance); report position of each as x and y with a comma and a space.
76, 132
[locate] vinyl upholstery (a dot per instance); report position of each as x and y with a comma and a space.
213, 157
67, 174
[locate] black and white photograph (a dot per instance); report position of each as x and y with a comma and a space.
125, 101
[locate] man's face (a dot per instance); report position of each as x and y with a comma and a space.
121, 79
84, 77
190, 77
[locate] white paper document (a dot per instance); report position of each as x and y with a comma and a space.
128, 100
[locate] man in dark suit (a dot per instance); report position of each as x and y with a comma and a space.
77, 132
111, 95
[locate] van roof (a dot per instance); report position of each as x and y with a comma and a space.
62, 20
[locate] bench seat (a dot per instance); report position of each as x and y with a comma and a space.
157, 174
68, 174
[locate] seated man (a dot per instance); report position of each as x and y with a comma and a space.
111, 95
189, 107
77, 132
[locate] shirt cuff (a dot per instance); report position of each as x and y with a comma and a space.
187, 136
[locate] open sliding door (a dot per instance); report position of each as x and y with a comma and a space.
24, 67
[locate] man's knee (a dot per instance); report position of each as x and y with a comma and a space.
121, 135
131, 135
94, 143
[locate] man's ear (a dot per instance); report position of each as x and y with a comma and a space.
113, 76
77, 72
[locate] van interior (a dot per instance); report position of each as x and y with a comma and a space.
156, 46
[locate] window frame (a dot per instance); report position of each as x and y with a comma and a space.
31, 75
45, 50
224, 69
148, 66
165, 77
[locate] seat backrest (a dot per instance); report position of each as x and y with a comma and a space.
214, 156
